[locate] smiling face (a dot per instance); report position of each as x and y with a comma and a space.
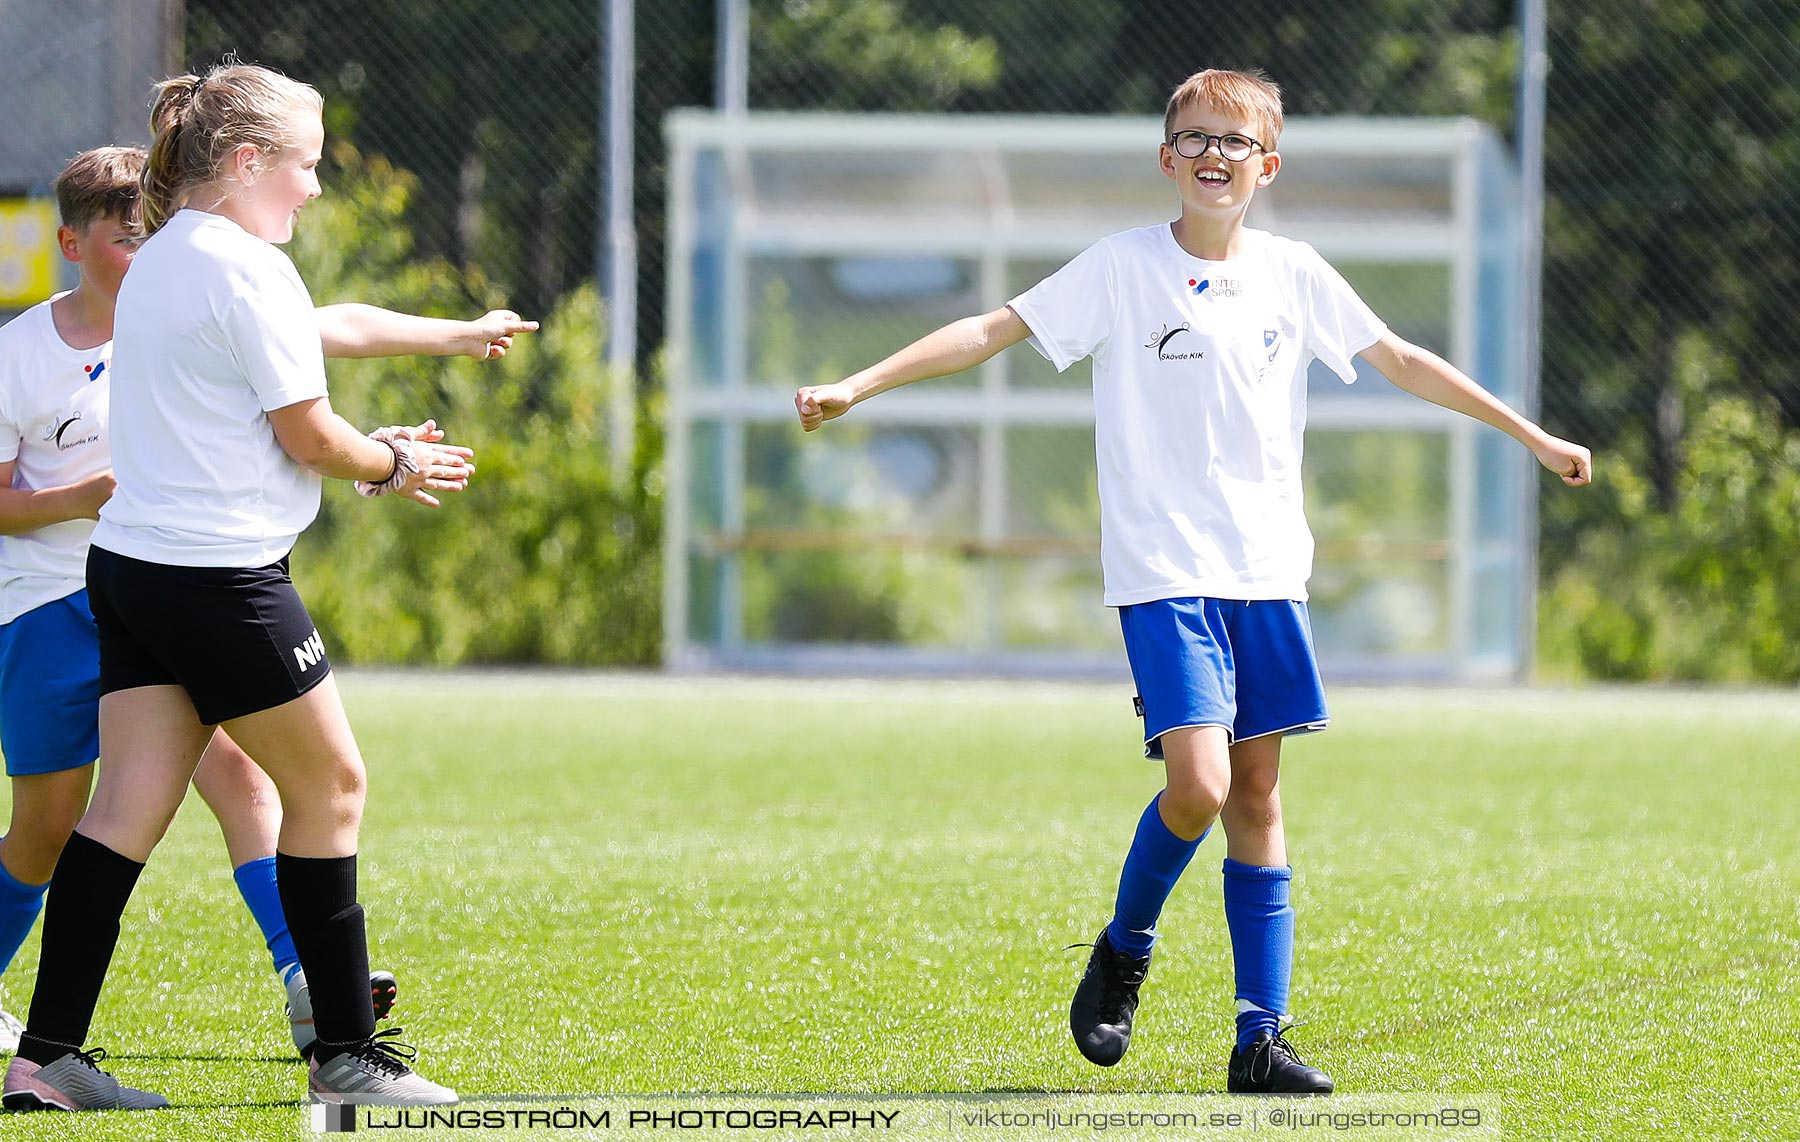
1213, 185
273, 187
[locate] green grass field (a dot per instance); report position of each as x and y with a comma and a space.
1577, 911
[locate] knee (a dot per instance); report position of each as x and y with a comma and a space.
343, 788
1189, 808
31, 850
1254, 804
40, 829
58, 819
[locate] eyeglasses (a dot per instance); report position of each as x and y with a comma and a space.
1232, 148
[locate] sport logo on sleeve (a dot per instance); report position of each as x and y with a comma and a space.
1167, 333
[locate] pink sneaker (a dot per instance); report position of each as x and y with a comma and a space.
73, 1082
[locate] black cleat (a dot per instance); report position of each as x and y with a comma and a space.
383, 991
1270, 1065
1105, 1001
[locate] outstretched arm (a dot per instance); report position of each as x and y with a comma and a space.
1428, 376
353, 329
957, 346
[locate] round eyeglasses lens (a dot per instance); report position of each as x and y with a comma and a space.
1236, 148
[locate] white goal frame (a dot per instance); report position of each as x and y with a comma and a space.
1477, 238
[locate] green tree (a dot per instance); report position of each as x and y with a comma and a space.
494, 108
1673, 226
1673, 229
545, 558
863, 55
1708, 591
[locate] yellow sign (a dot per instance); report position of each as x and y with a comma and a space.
27, 251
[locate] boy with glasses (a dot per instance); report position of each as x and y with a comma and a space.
1202, 331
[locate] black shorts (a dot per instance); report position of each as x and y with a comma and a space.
237, 639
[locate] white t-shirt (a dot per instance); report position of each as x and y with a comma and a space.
214, 330
1200, 404
53, 429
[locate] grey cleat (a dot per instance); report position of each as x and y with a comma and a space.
73, 1082
383, 991
376, 1073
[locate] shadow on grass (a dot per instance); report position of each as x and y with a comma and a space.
984, 1095
290, 1104
292, 1060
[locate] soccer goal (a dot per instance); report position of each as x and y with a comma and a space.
953, 525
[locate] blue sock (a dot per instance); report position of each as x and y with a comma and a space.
1152, 867
20, 904
256, 880
1262, 944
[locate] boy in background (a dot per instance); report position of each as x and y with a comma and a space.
1202, 331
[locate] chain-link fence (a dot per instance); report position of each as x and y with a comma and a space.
1671, 219
496, 107
992, 559
1672, 244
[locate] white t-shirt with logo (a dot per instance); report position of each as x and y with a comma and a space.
53, 428
214, 330
1200, 403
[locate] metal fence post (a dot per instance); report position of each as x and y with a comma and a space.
618, 255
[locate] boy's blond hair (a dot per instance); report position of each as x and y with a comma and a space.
1248, 94
101, 183
196, 122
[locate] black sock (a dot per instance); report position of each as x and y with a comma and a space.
318, 894
81, 927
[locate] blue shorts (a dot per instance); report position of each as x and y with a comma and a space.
1246, 666
50, 688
